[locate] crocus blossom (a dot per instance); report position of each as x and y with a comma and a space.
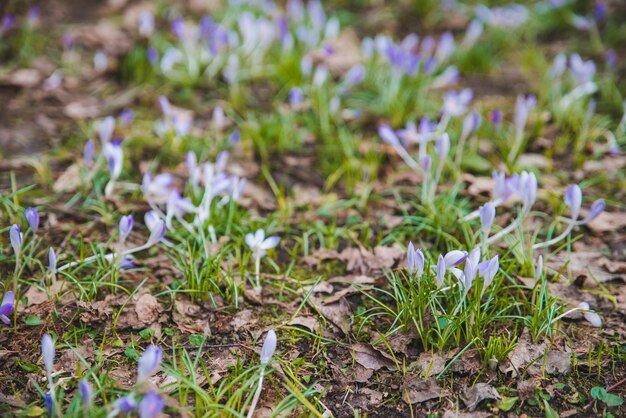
149, 363
32, 216
86, 392
15, 235
47, 351
259, 244
7, 307
415, 260
269, 346
151, 405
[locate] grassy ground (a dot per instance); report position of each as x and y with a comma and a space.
431, 208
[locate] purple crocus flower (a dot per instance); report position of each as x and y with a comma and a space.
415, 260
47, 351
355, 75
427, 163
146, 23
487, 215
456, 103
441, 270
105, 129
32, 216
611, 58
488, 269
157, 232
582, 71
115, 157
33, 16
89, 152
126, 225
269, 346
52, 261
235, 137
259, 244
48, 402
445, 48
151, 405
295, 97
68, 40
442, 146
454, 258
471, 123
126, 117
7, 23
523, 106
15, 235
496, 117
125, 404
152, 55
388, 135
86, 392
573, 198
599, 10
471, 268
7, 307
178, 27
149, 363
558, 66
597, 208
295, 10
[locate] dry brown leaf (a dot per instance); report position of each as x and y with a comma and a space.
524, 354
69, 180
338, 313
587, 266
346, 52
608, 222
369, 358
257, 196
148, 308
243, 319
557, 362
431, 364
472, 396
417, 390
309, 322
24, 77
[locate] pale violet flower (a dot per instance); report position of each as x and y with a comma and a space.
269, 346
259, 244
149, 363
32, 216
487, 215
7, 307
415, 260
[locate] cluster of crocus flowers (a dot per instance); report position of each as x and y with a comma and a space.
208, 181
122, 256
259, 245
450, 262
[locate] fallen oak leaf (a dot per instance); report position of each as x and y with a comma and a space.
473, 396
369, 358
417, 390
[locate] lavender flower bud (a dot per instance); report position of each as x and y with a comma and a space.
100, 61
115, 157
295, 97
47, 351
488, 270
471, 123
487, 215
125, 404
15, 235
126, 117
149, 363
597, 208
152, 55
151, 405
388, 135
52, 260
454, 258
89, 152
496, 117
442, 146
32, 216
157, 232
146, 23
558, 66
86, 392
105, 129
7, 307
590, 315
269, 346
126, 225
441, 270
573, 198
539, 267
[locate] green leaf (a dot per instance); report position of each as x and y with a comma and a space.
612, 400
196, 339
33, 411
33, 320
507, 403
549, 412
132, 353
598, 393
146, 334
